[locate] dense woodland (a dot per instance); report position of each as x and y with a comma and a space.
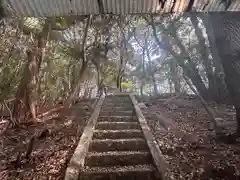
46, 62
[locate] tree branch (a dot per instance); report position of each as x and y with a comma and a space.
85, 36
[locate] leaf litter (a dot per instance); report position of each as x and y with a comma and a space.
51, 153
189, 144
184, 135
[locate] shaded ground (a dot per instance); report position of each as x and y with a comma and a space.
186, 138
51, 151
181, 127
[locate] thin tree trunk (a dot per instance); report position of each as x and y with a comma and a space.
141, 89
86, 89
76, 88
221, 88
190, 68
28, 87
99, 79
226, 28
175, 76
170, 86
204, 55
120, 72
74, 74
151, 69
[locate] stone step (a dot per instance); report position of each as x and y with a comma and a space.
117, 118
137, 172
114, 158
120, 98
116, 105
125, 100
117, 96
105, 125
117, 113
103, 145
117, 134
117, 108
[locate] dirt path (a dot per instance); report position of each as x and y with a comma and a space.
190, 146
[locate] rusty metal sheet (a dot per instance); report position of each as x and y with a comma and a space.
48, 8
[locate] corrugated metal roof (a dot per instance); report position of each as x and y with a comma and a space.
38, 8
130, 6
43, 8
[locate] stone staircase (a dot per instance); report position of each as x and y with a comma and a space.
118, 149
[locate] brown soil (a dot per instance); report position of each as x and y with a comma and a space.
182, 128
190, 145
51, 151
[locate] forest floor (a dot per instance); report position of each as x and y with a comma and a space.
181, 126
184, 134
51, 151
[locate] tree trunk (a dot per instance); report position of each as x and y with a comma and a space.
119, 75
170, 86
74, 76
196, 79
141, 89
86, 90
75, 90
226, 27
28, 88
189, 68
151, 69
121, 80
175, 76
221, 91
204, 56
99, 79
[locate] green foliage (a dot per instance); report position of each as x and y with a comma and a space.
127, 84
108, 40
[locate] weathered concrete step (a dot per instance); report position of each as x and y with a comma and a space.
117, 96
117, 113
137, 172
117, 134
113, 108
105, 125
117, 118
103, 145
119, 100
127, 99
117, 105
114, 158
